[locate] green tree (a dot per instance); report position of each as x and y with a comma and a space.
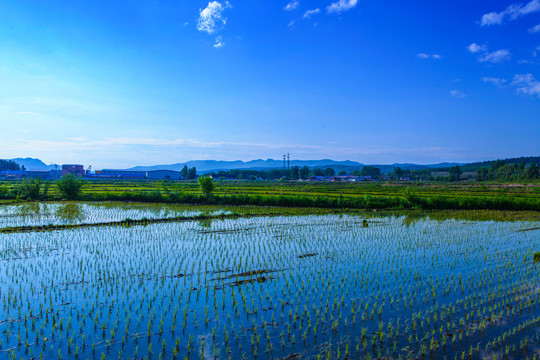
3, 191
70, 186
207, 185
329, 172
532, 171
399, 172
192, 173
184, 172
304, 173
9, 165
482, 174
371, 171
455, 173
295, 173
30, 188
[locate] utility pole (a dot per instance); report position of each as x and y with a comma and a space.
288, 161
284, 164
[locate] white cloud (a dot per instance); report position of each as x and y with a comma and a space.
290, 24
457, 94
475, 48
512, 12
526, 84
496, 57
219, 43
341, 6
494, 81
535, 29
429, 56
292, 5
531, 7
211, 19
309, 13
535, 51
492, 18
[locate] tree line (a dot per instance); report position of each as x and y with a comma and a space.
69, 187
9, 165
502, 171
294, 173
188, 173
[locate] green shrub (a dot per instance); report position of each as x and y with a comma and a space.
30, 188
207, 185
70, 186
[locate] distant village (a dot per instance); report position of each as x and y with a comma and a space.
79, 171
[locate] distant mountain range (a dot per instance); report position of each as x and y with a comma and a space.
215, 165
205, 166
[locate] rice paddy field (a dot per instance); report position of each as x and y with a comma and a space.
267, 284
35, 213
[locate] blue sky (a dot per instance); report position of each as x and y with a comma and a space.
121, 83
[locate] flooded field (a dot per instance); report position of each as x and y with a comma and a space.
38, 214
280, 287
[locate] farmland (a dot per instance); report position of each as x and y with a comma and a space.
428, 196
161, 281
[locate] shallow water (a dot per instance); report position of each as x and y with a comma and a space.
272, 287
68, 213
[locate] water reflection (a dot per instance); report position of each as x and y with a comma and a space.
205, 223
70, 212
28, 209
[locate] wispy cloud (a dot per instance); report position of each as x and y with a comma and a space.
474, 48
429, 56
535, 29
526, 84
85, 144
496, 57
457, 94
494, 81
341, 6
310, 13
211, 18
219, 43
512, 12
292, 5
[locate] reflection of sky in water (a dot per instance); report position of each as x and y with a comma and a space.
34, 214
318, 270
